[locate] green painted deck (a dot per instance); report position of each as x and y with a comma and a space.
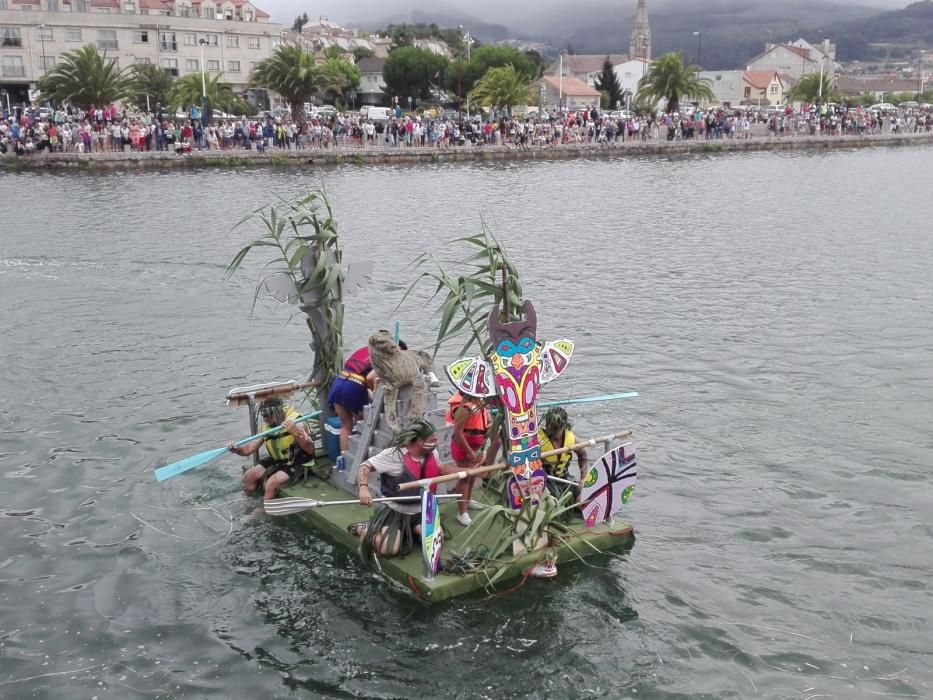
409, 570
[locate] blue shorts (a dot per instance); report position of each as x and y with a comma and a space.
349, 394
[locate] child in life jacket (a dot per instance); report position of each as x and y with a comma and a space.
470, 419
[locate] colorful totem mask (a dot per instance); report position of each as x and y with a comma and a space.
516, 368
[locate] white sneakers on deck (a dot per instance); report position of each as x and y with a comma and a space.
475, 505
546, 570
464, 519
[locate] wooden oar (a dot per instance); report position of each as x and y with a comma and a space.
287, 506
502, 465
181, 466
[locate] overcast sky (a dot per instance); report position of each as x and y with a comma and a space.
344, 11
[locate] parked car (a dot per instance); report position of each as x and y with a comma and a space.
883, 107
621, 114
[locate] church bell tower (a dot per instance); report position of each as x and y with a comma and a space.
640, 43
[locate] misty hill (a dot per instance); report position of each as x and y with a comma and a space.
912, 26
733, 32
446, 18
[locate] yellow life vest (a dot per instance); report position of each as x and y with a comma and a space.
281, 446
556, 465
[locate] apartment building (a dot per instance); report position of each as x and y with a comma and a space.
231, 36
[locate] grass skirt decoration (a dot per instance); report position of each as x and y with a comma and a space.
399, 527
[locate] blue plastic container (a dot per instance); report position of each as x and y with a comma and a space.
332, 437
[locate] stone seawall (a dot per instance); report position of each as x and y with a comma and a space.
402, 155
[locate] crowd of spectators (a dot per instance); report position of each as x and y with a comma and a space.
110, 130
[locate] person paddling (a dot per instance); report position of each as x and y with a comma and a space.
555, 432
290, 452
395, 525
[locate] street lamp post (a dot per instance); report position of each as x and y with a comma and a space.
42, 39
920, 94
699, 36
204, 122
560, 85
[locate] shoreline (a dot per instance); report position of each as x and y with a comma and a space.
390, 155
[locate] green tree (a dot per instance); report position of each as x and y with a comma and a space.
539, 62
410, 72
338, 77
150, 85
85, 78
669, 79
486, 57
361, 52
503, 87
300, 22
608, 84
293, 74
808, 89
186, 93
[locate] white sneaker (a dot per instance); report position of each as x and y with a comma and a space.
475, 505
464, 519
547, 570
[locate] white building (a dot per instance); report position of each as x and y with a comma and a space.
629, 72
168, 33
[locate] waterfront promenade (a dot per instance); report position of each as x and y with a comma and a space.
353, 154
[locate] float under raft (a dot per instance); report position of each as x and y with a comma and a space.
409, 570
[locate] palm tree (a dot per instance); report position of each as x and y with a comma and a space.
669, 79
150, 85
293, 74
187, 92
85, 78
503, 87
808, 89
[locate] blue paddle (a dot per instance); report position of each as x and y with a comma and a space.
180, 467
586, 399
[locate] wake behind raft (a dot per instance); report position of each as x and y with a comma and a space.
521, 530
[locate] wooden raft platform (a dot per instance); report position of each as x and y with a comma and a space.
409, 571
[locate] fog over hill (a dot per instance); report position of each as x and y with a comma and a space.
520, 13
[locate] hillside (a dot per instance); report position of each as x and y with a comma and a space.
912, 26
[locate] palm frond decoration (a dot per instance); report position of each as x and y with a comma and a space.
305, 269
469, 296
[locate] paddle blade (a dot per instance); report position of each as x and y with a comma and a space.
180, 467
287, 506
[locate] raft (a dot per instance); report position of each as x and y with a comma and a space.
409, 572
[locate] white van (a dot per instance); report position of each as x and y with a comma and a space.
376, 114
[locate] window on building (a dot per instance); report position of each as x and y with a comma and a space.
191, 39
107, 39
170, 65
233, 66
228, 14
774, 89
748, 92
167, 41
208, 12
44, 34
10, 37
192, 65
102, 10
254, 42
141, 37
212, 39
252, 66
142, 61
213, 65
46, 62
233, 41
4, 5
129, 8
12, 67
184, 11
72, 35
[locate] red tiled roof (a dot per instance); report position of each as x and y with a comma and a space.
571, 86
760, 79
